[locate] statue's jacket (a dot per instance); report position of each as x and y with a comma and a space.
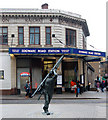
49, 85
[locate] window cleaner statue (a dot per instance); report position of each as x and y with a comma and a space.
47, 86
48, 90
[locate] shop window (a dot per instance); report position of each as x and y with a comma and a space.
34, 35
3, 35
1, 74
20, 35
48, 35
71, 37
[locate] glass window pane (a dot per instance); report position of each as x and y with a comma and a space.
4, 30
48, 29
20, 29
66, 39
20, 39
48, 39
71, 37
0, 38
74, 34
36, 38
37, 30
74, 42
31, 30
0, 30
31, 38
5, 41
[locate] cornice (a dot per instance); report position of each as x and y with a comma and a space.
5, 14
38, 13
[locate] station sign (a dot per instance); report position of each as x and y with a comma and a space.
51, 51
88, 52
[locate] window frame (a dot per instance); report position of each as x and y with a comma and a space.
2, 72
34, 34
3, 34
48, 33
19, 34
72, 36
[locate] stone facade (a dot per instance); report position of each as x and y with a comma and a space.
58, 20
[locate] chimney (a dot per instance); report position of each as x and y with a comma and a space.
44, 6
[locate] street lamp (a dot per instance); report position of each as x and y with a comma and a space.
53, 35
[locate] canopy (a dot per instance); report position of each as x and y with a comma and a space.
87, 55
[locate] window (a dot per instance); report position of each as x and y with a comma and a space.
20, 35
71, 37
3, 35
1, 74
48, 35
34, 35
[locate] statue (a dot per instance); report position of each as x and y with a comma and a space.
47, 86
48, 90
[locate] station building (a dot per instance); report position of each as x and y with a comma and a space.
32, 41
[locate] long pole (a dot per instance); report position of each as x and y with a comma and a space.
55, 67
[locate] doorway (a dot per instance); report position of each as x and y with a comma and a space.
70, 71
21, 81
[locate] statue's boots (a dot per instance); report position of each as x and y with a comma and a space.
46, 112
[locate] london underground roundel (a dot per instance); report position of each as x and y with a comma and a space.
24, 74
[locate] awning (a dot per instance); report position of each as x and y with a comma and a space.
92, 59
87, 55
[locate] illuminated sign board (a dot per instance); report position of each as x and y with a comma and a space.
88, 52
55, 51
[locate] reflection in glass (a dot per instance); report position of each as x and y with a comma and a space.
37, 30
48, 41
20, 29
4, 30
31, 38
37, 39
20, 39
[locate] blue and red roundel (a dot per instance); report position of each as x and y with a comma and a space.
24, 74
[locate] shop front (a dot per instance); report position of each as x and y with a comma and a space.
39, 61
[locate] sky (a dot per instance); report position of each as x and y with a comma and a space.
94, 11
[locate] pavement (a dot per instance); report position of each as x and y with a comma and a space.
84, 95
92, 105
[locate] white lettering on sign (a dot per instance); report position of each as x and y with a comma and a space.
85, 52
91, 53
65, 50
96, 53
15, 50
56, 51
24, 50
42, 51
